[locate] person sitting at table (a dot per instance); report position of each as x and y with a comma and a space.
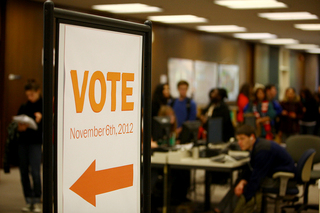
266, 158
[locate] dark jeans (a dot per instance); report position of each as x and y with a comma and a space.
30, 161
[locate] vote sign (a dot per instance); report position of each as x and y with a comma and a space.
99, 120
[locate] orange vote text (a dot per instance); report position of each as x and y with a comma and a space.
114, 78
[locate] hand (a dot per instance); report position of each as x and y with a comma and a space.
284, 112
292, 115
22, 127
38, 116
238, 190
178, 130
154, 144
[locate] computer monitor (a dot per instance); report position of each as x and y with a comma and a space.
189, 132
161, 129
214, 131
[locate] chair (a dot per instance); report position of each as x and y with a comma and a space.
284, 193
296, 145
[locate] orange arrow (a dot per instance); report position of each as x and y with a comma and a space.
92, 182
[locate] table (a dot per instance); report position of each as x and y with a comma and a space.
183, 160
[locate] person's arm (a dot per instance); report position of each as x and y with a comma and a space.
263, 162
277, 107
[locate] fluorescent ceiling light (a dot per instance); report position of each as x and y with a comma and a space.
307, 26
314, 51
127, 8
302, 46
280, 41
171, 19
250, 4
221, 28
286, 16
254, 36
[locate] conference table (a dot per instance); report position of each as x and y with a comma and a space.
183, 160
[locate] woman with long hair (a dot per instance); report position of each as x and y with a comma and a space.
160, 97
290, 115
263, 111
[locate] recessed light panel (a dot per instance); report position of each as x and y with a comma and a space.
175, 19
221, 28
309, 27
287, 16
127, 8
314, 51
250, 4
254, 36
280, 41
302, 46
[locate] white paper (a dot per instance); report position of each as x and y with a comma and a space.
24, 119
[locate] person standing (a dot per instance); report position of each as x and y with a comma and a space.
217, 108
311, 112
29, 148
243, 100
271, 94
184, 107
160, 97
291, 114
263, 111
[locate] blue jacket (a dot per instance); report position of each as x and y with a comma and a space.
267, 158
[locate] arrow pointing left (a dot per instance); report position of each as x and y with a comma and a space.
92, 182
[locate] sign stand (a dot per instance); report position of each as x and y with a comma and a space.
123, 89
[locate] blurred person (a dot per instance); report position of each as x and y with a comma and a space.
263, 111
290, 115
160, 97
184, 107
29, 148
271, 94
243, 100
168, 111
218, 108
311, 112
266, 158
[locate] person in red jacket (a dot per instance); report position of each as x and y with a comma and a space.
243, 100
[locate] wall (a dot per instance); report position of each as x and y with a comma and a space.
311, 72
22, 55
179, 43
261, 64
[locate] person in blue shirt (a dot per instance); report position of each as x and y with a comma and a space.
271, 93
266, 158
184, 108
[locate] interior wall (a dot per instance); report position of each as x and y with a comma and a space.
22, 54
311, 72
297, 70
261, 64
172, 42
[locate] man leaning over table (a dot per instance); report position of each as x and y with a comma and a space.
266, 158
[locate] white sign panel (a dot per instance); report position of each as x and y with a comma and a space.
99, 120
180, 69
229, 79
206, 78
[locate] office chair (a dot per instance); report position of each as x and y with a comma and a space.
296, 145
284, 193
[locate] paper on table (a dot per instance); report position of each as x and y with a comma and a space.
26, 120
